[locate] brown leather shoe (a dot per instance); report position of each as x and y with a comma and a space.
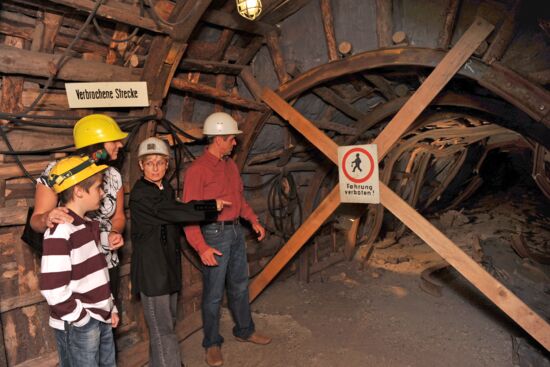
214, 356
256, 338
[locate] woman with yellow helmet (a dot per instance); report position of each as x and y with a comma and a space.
97, 136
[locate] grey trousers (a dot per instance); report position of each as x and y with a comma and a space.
160, 315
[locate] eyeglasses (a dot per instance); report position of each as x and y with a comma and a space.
153, 164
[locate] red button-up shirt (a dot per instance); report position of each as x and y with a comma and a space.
211, 178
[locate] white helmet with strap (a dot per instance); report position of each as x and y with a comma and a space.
220, 123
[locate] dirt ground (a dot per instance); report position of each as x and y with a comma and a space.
373, 312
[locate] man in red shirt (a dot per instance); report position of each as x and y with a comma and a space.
221, 244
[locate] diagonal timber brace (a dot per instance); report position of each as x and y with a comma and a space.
446, 69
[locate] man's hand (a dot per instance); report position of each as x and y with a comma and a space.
208, 257
115, 240
57, 216
221, 203
260, 230
114, 319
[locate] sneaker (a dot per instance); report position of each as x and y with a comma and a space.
256, 338
214, 356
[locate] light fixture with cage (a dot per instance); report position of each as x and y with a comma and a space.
250, 9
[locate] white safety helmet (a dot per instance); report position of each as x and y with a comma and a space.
220, 123
153, 146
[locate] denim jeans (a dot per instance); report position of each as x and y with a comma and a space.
232, 269
86, 346
160, 315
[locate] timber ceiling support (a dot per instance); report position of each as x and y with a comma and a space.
115, 14
18, 61
493, 289
518, 91
448, 26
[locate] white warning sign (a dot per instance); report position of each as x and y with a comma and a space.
107, 94
358, 171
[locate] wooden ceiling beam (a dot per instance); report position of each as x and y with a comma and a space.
236, 22
62, 40
207, 66
284, 10
115, 14
216, 94
15, 61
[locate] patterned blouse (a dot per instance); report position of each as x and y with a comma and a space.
112, 183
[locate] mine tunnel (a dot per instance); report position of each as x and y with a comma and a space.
449, 265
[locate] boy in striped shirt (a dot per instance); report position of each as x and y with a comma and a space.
74, 277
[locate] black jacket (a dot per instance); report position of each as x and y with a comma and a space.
156, 236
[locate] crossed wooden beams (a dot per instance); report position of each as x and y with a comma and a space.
492, 288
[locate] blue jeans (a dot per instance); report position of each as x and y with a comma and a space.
86, 346
160, 315
232, 270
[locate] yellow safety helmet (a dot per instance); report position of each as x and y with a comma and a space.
96, 128
72, 170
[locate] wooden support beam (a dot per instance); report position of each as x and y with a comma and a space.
493, 289
251, 83
12, 170
236, 22
384, 23
503, 36
209, 66
295, 243
15, 61
202, 50
116, 14
446, 34
52, 24
62, 40
49, 101
439, 77
330, 97
246, 55
473, 272
216, 94
284, 10
223, 43
12, 86
437, 80
272, 40
328, 25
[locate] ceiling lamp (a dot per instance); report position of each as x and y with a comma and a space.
250, 9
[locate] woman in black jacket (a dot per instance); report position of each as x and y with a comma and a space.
156, 218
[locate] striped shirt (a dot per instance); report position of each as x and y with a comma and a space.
74, 277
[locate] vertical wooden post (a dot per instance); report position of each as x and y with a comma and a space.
328, 25
448, 25
117, 49
272, 40
384, 22
503, 36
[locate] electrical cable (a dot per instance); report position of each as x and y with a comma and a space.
283, 202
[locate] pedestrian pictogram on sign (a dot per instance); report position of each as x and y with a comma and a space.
358, 171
